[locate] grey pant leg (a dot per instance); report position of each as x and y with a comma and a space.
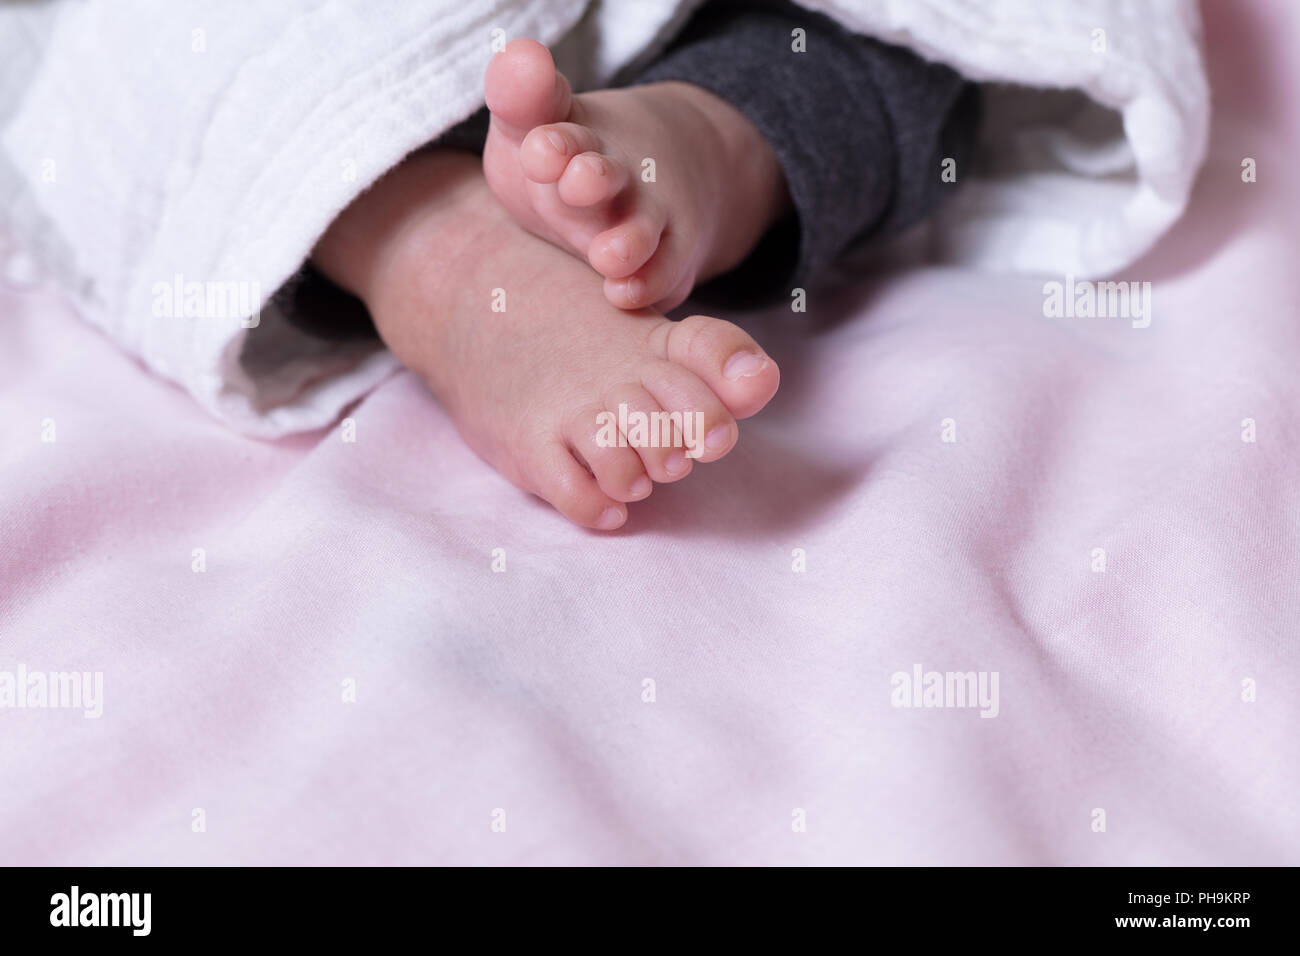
859, 127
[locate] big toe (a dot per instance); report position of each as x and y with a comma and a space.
523, 89
727, 359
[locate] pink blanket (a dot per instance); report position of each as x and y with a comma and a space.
329, 651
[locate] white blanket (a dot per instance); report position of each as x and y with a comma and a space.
150, 149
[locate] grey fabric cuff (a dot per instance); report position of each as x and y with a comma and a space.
859, 127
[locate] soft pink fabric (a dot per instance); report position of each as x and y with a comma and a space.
522, 690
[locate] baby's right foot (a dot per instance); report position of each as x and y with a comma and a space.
429, 250
574, 170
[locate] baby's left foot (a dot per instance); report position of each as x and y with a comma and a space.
657, 186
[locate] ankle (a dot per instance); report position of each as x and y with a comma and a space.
372, 241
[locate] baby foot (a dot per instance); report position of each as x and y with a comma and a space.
657, 186
532, 363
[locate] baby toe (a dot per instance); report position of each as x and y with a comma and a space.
624, 249
708, 431
642, 423
594, 437
557, 478
591, 178
546, 151
656, 283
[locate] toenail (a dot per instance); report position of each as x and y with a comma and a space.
718, 438
634, 289
744, 364
641, 487
675, 463
620, 247
597, 165
557, 140
610, 520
